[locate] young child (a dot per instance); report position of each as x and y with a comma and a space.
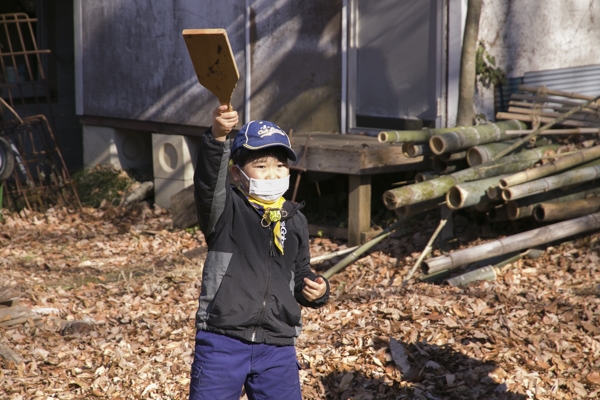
257, 268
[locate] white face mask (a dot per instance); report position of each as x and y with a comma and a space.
266, 189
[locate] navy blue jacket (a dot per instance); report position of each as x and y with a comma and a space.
249, 289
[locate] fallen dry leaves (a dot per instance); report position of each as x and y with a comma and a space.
114, 298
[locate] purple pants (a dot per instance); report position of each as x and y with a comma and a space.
222, 365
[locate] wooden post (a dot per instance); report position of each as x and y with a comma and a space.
359, 207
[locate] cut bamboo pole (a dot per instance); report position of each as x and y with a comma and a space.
490, 272
588, 164
483, 153
365, 247
412, 149
551, 123
545, 212
464, 137
413, 209
575, 116
514, 211
487, 205
435, 278
425, 176
532, 238
583, 111
544, 120
524, 208
460, 155
552, 182
425, 251
487, 273
418, 192
438, 187
417, 136
543, 90
560, 164
537, 99
494, 192
447, 167
560, 108
334, 254
573, 131
467, 194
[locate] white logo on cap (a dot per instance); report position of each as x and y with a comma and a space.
269, 131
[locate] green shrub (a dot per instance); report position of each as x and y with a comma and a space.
485, 68
103, 182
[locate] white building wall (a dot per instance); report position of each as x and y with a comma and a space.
534, 35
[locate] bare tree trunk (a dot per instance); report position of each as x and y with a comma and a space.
466, 114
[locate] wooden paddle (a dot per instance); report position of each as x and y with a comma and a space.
213, 61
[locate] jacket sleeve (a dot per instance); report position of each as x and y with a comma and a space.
303, 270
210, 181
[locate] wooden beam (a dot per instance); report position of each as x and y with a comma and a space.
366, 236
147, 126
327, 231
352, 154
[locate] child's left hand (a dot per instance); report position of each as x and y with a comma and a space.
314, 290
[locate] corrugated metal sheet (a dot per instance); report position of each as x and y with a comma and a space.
582, 80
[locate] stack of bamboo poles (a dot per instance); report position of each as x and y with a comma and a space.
540, 105
550, 175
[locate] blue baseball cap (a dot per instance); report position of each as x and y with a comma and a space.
256, 135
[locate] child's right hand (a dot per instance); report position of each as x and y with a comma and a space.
223, 122
314, 290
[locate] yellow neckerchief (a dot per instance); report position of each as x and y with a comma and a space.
271, 212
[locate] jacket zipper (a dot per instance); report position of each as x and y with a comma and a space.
268, 289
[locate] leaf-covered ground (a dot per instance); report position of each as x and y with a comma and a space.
114, 296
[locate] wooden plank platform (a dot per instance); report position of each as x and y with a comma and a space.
349, 154
359, 157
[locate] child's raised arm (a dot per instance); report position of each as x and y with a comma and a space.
223, 122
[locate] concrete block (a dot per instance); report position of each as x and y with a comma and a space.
164, 188
173, 156
125, 149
